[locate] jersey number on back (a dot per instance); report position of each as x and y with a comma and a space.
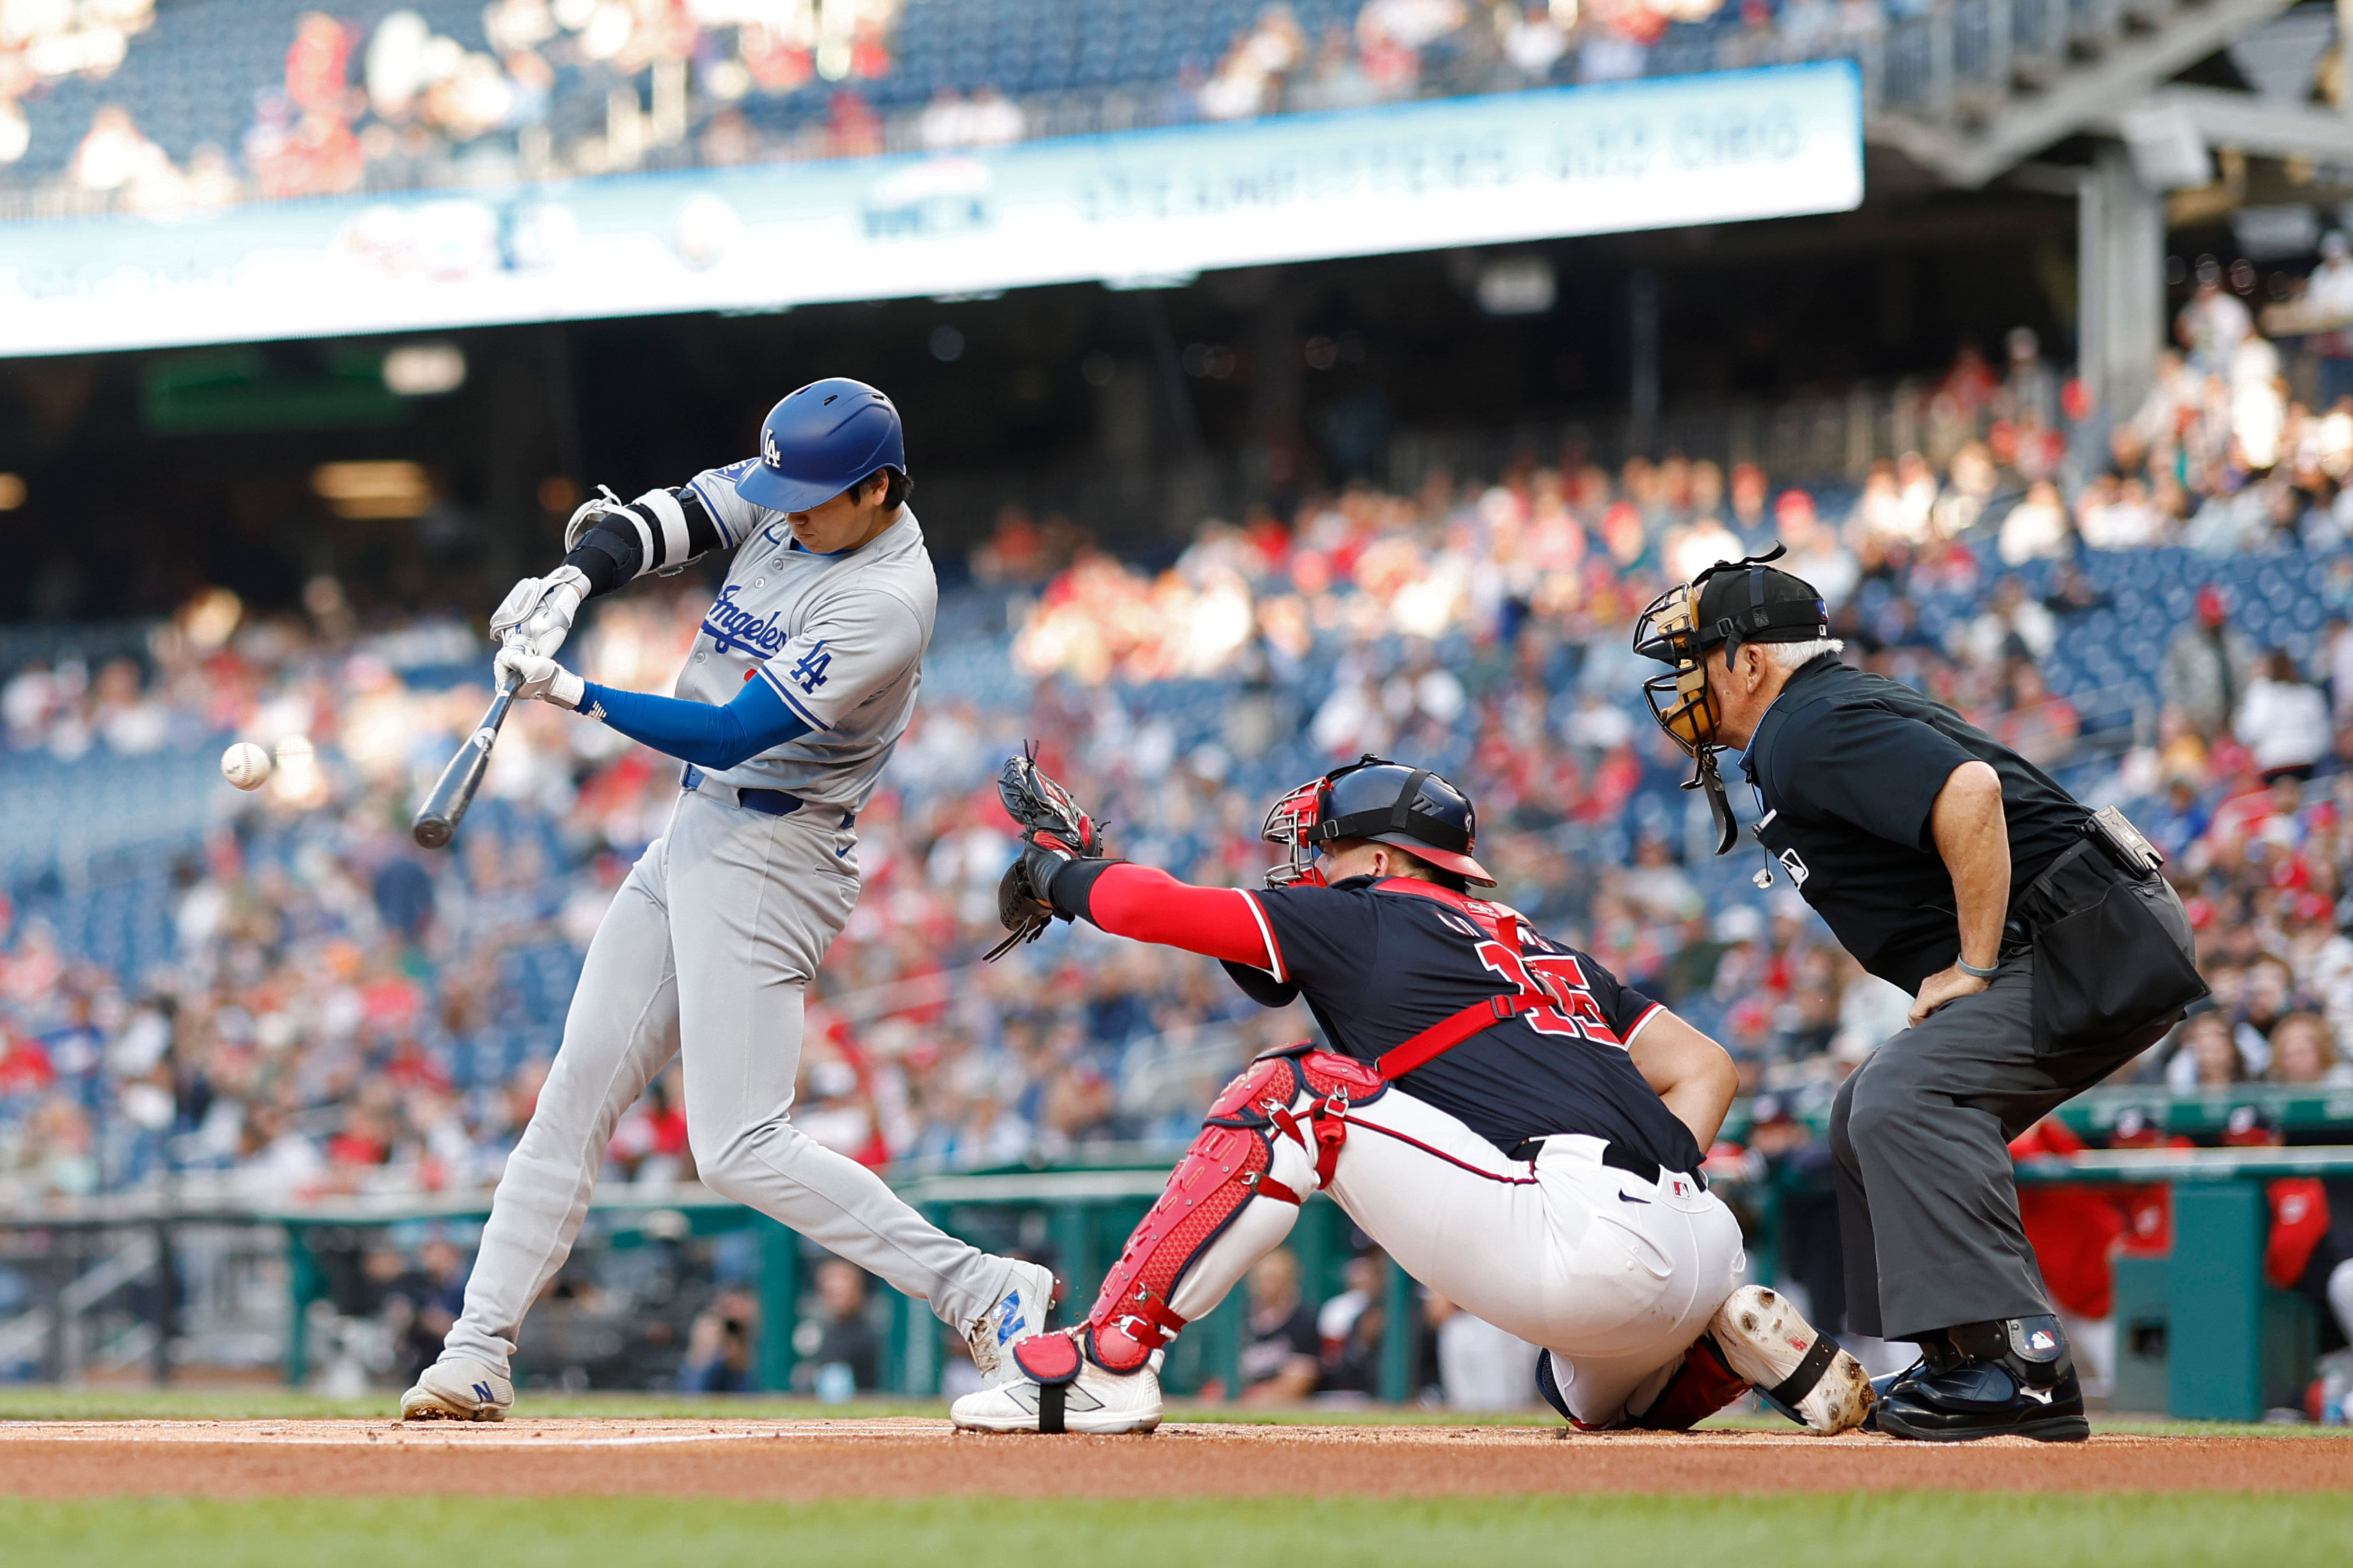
1564, 1006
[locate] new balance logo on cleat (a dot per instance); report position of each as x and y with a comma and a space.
1010, 1324
482, 1393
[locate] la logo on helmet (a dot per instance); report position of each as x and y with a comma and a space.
768, 451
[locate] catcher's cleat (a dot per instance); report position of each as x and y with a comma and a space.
1796, 1369
1055, 1388
459, 1389
1017, 1315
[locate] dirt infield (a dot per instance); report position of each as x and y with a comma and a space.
908, 1457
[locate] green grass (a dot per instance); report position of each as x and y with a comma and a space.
1914, 1531
264, 1402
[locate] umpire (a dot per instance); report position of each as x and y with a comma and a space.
2040, 946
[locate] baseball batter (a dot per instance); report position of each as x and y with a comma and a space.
800, 683
1521, 1132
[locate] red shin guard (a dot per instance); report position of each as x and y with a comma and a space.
1227, 1166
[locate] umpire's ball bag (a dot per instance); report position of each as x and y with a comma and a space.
2114, 957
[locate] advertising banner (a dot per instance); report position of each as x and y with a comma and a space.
1136, 207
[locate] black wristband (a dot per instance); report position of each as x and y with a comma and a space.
1074, 885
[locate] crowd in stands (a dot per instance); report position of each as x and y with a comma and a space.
325, 1009
336, 1011
200, 103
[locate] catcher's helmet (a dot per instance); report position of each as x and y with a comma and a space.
1390, 802
819, 441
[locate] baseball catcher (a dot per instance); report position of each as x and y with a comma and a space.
1518, 1130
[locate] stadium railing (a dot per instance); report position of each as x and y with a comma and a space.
2200, 1332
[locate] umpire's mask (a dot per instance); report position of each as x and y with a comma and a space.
1731, 603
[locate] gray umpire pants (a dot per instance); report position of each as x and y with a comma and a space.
707, 954
1920, 1132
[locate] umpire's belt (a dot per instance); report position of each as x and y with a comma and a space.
766, 801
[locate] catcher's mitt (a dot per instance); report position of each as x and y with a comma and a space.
1054, 832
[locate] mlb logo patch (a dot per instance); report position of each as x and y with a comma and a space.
1795, 866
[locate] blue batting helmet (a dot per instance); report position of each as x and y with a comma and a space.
821, 440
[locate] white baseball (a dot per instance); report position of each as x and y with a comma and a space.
244, 765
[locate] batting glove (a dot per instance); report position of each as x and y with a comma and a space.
538, 612
539, 677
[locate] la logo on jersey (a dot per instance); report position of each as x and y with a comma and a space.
808, 672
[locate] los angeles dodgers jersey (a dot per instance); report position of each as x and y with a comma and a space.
840, 637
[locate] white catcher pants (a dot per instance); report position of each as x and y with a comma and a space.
706, 954
1613, 1274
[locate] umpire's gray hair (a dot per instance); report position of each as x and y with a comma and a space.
1790, 655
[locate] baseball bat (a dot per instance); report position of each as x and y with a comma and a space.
439, 817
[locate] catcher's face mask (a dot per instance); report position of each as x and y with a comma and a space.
1287, 823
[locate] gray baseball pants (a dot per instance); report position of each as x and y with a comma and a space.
1926, 1194
707, 954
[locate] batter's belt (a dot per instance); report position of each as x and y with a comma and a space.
766, 801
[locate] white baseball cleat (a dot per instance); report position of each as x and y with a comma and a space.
1013, 1317
1794, 1366
1079, 1397
459, 1389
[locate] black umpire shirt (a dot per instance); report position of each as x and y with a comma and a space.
1379, 962
1847, 768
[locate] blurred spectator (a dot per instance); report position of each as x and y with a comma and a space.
431, 1297
1281, 1356
2213, 324
2304, 1051
1480, 1366
719, 1347
2283, 720
1815, 552
2036, 529
2011, 628
2208, 1057
842, 1352
2208, 667
115, 156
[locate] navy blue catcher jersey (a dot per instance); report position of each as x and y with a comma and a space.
1379, 962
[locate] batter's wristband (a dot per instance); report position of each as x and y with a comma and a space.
1074, 886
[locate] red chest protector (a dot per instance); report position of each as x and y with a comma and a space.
1502, 923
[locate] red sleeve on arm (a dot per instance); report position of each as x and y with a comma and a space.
1150, 905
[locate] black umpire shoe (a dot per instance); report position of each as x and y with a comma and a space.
2011, 1378
1886, 1384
